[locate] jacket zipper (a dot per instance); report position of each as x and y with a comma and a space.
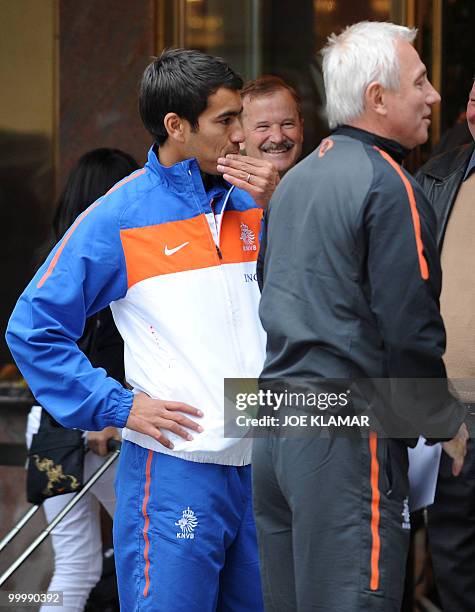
231, 317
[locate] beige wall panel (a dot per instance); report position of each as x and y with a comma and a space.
26, 65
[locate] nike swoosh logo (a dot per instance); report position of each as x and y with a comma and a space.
172, 251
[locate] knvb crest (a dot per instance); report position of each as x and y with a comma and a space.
187, 523
248, 238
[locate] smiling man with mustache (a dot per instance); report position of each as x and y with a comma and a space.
272, 122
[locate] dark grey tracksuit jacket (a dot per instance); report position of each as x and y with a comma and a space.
350, 281
350, 275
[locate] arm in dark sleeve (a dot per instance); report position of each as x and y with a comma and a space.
404, 277
104, 345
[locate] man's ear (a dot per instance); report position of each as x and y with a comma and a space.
375, 99
175, 126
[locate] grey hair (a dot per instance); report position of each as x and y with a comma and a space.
362, 53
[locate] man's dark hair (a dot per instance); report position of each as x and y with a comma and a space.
180, 81
269, 84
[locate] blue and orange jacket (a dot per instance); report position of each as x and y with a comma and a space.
180, 279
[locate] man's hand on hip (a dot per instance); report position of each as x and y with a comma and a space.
154, 416
457, 449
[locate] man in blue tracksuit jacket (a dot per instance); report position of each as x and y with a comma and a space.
171, 248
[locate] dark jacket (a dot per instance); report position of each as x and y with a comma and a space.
103, 345
350, 273
440, 178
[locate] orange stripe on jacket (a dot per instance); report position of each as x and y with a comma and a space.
65, 241
73, 227
147, 523
184, 245
375, 514
126, 180
424, 268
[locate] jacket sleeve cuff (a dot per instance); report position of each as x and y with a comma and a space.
459, 416
123, 408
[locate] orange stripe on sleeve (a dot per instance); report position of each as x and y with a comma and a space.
375, 514
424, 268
126, 180
147, 523
73, 227
65, 241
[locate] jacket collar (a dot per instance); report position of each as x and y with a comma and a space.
470, 166
446, 164
177, 177
393, 148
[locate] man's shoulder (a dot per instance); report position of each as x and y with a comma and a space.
338, 172
143, 199
336, 153
126, 191
104, 215
445, 164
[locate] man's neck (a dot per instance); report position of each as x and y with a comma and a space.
168, 155
395, 150
374, 127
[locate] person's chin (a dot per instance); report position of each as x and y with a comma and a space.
282, 156
209, 169
422, 135
282, 161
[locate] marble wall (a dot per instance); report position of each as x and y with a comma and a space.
103, 50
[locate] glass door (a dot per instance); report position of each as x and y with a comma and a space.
284, 38
227, 29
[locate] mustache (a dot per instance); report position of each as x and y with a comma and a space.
286, 144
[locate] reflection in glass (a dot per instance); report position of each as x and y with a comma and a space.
26, 144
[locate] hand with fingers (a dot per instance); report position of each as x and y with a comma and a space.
456, 448
97, 440
256, 176
153, 417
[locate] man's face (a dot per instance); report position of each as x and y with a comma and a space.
219, 130
409, 109
471, 111
273, 129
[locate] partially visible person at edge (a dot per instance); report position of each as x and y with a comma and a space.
456, 135
449, 184
77, 542
272, 121
171, 249
350, 281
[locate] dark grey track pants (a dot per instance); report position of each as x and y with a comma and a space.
452, 534
332, 523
